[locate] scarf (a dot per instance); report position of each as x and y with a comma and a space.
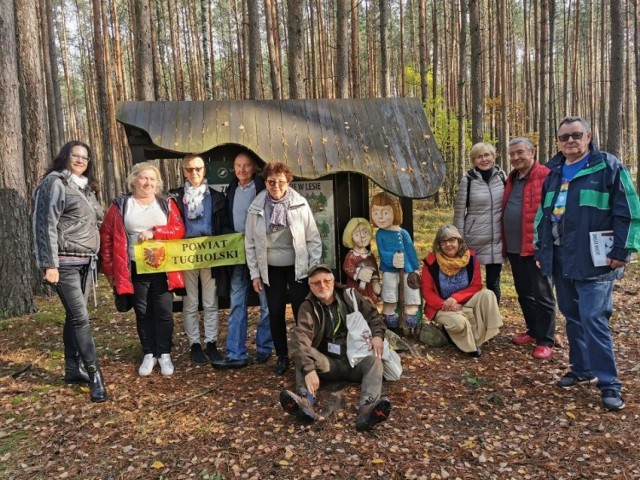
80, 181
279, 210
452, 265
194, 199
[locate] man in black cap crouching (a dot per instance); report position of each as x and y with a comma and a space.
319, 346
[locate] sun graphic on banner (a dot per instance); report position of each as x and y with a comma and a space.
155, 256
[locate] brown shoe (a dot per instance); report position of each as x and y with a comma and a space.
370, 414
297, 406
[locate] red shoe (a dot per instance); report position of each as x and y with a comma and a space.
542, 352
523, 339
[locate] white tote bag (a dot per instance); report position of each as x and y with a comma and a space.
359, 343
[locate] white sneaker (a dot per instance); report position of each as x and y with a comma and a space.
166, 367
146, 367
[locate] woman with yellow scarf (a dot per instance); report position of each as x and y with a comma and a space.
453, 294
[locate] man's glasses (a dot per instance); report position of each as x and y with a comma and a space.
193, 169
273, 183
81, 157
317, 283
567, 136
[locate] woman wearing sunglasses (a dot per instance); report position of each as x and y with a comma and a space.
282, 241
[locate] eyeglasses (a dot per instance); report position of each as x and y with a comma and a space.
81, 157
567, 136
193, 169
448, 240
279, 183
325, 282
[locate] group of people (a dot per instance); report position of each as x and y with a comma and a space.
538, 217
542, 219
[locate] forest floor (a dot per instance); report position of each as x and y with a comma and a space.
453, 416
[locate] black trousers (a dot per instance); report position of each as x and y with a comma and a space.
492, 279
73, 293
279, 279
153, 305
535, 294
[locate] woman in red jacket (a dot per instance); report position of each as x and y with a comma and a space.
137, 217
453, 294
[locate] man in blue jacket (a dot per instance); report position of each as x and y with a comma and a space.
240, 193
587, 191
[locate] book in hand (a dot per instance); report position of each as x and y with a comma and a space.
600, 244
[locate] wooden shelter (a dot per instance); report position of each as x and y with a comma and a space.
347, 141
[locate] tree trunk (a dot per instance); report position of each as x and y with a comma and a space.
462, 77
143, 51
422, 48
255, 51
476, 77
342, 53
16, 294
54, 94
274, 49
542, 82
35, 121
355, 50
384, 52
176, 50
616, 79
636, 39
295, 58
205, 26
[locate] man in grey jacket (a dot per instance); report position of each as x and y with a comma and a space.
319, 351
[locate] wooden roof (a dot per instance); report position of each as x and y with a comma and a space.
387, 140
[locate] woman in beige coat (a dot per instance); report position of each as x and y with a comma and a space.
478, 211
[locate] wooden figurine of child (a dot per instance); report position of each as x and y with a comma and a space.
397, 258
360, 264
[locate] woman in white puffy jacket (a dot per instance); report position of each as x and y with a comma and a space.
478, 211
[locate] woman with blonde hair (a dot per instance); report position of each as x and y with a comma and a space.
136, 217
478, 211
453, 294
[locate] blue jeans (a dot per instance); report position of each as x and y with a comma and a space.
587, 306
76, 334
237, 321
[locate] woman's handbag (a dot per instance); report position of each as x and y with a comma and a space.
123, 302
359, 343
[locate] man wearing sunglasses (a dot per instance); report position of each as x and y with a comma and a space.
204, 212
587, 191
318, 344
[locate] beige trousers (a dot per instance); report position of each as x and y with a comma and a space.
479, 321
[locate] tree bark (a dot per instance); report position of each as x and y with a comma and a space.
255, 50
16, 295
54, 94
616, 79
342, 53
462, 77
384, 52
35, 121
422, 47
295, 58
542, 82
274, 50
355, 50
143, 51
477, 99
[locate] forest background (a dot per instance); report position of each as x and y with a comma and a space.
484, 69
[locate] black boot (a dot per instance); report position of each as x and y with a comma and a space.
98, 391
74, 371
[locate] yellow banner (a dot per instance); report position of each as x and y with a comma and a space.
189, 253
